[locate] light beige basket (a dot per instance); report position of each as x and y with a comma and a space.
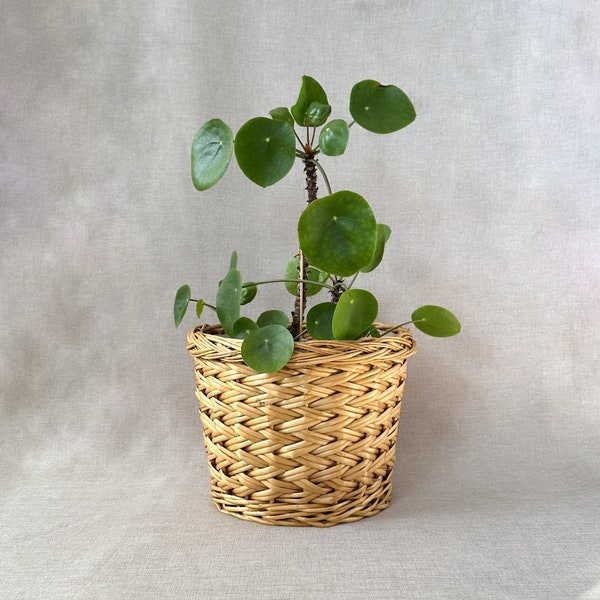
314, 443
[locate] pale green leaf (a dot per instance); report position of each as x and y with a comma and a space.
268, 349
212, 149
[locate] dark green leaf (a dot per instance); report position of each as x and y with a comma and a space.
374, 332
436, 321
333, 138
318, 321
242, 327
248, 293
311, 91
229, 296
265, 150
317, 114
272, 317
211, 153
338, 233
383, 235
268, 349
282, 114
354, 314
380, 108
182, 298
313, 274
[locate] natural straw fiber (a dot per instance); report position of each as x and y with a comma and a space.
314, 443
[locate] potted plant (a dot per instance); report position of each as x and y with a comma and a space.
300, 412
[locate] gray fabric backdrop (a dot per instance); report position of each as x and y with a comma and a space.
493, 198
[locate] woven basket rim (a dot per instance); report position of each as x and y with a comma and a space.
216, 331
400, 338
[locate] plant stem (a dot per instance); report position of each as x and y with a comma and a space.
305, 281
205, 303
338, 289
310, 170
298, 138
390, 329
300, 334
322, 171
353, 280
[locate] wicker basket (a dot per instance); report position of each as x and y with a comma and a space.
314, 443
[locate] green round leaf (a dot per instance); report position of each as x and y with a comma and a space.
354, 314
248, 293
313, 274
436, 321
282, 114
311, 91
268, 349
199, 308
380, 108
338, 233
242, 327
318, 321
272, 317
383, 235
182, 298
265, 150
229, 296
317, 114
333, 138
212, 149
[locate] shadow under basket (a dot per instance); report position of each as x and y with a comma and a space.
313, 444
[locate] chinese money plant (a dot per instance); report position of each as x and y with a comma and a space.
339, 236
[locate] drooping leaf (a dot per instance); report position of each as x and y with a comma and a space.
354, 314
272, 317
310, 91
212, 149
380, 108
333, 138
229, 296
317, 114
242, 327
265, 150
182, 298
282, 114
436, 321
199, 308
249, 291
338, 233
319, 319
268, 349
383, 235
313, 274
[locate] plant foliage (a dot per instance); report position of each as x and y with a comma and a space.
338, 233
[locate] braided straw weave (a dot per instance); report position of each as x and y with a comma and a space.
314, 443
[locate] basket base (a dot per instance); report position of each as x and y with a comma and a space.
365, 503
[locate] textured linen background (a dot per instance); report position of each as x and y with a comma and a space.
492, 195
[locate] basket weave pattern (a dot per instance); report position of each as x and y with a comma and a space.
313, 444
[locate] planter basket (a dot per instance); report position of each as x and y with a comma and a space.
314, 443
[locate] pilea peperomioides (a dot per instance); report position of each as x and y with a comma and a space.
338, 234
